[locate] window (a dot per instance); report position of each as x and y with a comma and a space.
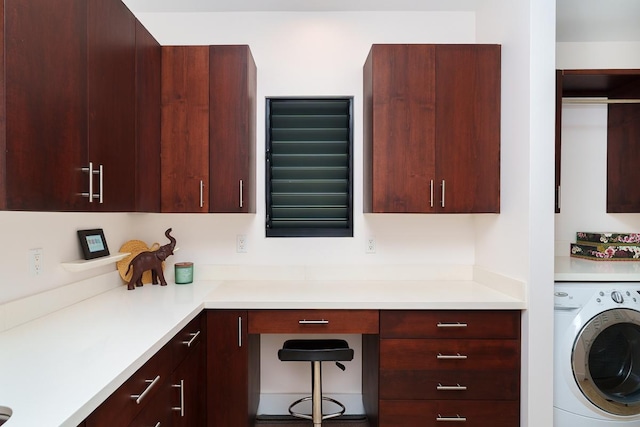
309, 164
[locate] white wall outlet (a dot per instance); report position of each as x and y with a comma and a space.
371, 245
241, 243
36, 263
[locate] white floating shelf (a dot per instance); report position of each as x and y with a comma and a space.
87, 264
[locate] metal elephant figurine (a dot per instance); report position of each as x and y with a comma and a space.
151, 260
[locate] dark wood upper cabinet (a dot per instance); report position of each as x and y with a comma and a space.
148, 92
45, 121
70, 102
111, 42
623, 129
208, 129
185, 129
232, 129
432, 129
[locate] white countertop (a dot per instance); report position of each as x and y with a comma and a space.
55, 370
569, 269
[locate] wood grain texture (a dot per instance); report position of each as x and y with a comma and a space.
338, 321
232, 138
148, 95
468, 127
111, 100
185, 128
46, 104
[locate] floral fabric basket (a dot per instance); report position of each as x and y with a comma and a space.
607, 246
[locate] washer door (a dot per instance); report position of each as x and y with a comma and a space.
606, 361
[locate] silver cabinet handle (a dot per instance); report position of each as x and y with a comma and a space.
239, 331
89, 170
443, 191
181, 407
456, 356
457, 418
193, 335
157, 424
313, 322
201, 193
100, 173
452, 325
241, 191
138, 397
431, 193
456, 387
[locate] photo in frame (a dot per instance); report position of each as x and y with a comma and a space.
93, 243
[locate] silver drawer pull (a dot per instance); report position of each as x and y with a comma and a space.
456, 387
456, 356
181, 407
157, 424
457, 418
194, 335
452, 325
313, 322
138, 397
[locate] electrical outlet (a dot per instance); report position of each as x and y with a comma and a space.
241, 243
36, 262
371, 245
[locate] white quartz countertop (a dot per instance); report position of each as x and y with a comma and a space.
569, 269
55, 370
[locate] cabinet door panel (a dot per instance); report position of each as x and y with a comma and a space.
185, 129
111, 101
46, 125
188, 396
447, 384
623, 153
148, 89
402, 93
232, 116
468, 127
233, 370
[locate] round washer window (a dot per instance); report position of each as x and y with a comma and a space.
606, 361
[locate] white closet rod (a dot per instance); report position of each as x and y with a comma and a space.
599, 101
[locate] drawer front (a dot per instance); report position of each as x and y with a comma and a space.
448, 385
434, 413
131, 397
185, 341
449, 324
431, 354
313, 322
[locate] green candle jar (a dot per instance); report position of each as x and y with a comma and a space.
184, 273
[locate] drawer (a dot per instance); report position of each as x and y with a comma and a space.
185, 341
438, 413
131, 397
313, 322
449, 324
450, 385
431, 354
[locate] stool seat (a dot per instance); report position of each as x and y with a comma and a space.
315, 350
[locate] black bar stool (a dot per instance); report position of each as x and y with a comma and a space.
316, 351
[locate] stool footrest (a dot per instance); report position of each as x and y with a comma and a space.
324, 416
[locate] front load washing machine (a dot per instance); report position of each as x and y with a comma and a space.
597, 354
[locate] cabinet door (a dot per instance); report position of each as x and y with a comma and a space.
468, 128
623, 153
233, 370
399, 93
148, 86
188, 396
111, 102
46, 126
185, 129
232, 121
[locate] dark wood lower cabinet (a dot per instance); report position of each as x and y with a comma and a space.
427, 413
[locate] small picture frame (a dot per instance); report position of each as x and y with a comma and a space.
93, 243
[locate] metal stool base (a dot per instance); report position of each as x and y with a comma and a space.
324, 416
